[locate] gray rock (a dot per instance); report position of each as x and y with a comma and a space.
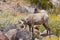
22, 9
24, 34
10, 33
25, 9
9, 27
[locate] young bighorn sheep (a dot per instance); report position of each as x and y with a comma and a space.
37, 19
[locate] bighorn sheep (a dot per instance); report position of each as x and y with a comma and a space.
37, 19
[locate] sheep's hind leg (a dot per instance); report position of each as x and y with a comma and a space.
47, 27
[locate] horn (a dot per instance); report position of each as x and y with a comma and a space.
25, 21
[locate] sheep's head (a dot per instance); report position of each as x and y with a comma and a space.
20, 24
25, 21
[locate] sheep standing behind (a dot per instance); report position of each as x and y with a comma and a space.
37, 19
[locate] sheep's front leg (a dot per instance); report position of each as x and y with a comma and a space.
31, 29
32, 32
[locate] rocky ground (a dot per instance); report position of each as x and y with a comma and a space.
14, 6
